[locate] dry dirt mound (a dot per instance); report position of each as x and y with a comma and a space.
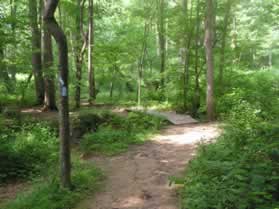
139, 179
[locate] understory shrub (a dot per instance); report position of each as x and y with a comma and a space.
26, 151
259, 88
240, 170
47, 194
117, 133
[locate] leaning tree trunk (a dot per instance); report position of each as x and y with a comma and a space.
61, 40
36, 51
208, 42
91, 76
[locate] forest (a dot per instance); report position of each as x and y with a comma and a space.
139, 104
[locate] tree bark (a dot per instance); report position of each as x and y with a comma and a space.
64, 130
112, 81
91, 74
270, 56
196, 100
208, 42
162, 39
141, 62
79, 50
3, 70
36, 51
223, 46
188, 35
49, 75
12, 69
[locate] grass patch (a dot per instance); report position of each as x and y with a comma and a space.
26, 151
118, 133
29, 152
47, 194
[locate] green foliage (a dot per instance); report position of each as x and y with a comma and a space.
27, 151
46, 193
108, 141
240, 170
118, 133
258, 88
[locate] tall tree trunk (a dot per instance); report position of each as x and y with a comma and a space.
64, 128
12, 69
161, 4
36, 51
141, 61
112, 81
270, 62
49, 74
79, 50
208, 42
77, 57
91, 74
3, 68
223, 46
3, 72
196, 100
188, 35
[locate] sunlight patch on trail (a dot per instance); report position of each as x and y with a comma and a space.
191, 135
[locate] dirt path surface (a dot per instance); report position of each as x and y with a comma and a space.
139, 179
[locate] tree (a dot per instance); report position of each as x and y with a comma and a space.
208, 42
80, 47
196, 100
49, 75
91, 73
141, 62
14, 25
36, 51
64, 130
161, 25
186, 42
3, 68
224, 42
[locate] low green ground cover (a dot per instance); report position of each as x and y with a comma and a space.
240, 170
118, 133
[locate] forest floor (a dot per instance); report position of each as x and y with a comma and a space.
139, 178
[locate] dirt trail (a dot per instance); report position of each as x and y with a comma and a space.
138, 179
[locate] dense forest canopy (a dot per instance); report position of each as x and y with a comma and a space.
159, 44
213, 60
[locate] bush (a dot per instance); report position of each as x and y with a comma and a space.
46, 194
27, 151
260, 89
117, 133
240, 170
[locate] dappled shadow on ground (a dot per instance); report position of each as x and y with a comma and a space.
38, 113
9, 191
139, 179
